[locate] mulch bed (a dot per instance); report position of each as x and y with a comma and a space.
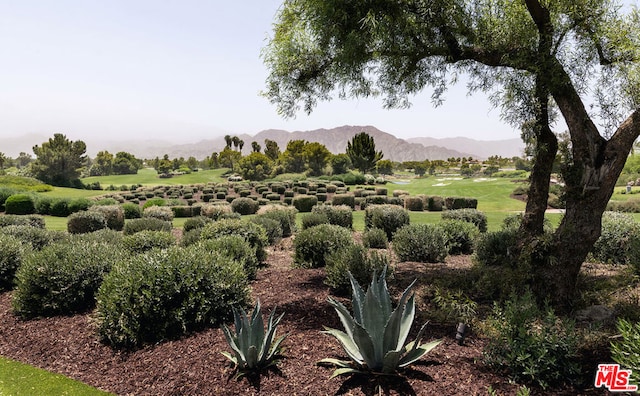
194, 366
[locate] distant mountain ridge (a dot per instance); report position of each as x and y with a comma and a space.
335, 139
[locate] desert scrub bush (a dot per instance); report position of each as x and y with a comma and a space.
215, 211
271, 227
154, 202
435, 204
285, 215
313, 244
236, 248
414, 204
114, 215
12, 252
36, 237
158, 212
106, 235
25, 220
619, 241
624, 351
196, 222
164, 294
143, 241
460, 236
313, 219
474, 216
344, 199
496, 249
20, 204
532, 345
245, 206
425, 243
455, 203
62, 278
375, 238
385, 217
251, 232
304, 203
86, 221
355, 259
148, 223
341, 215
131, 211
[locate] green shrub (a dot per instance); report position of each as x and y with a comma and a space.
6, 192
78, 204
195, 222
215, 211
62, 278
271, 227
435, 204
114, 214
355, 259
34, 236
313, 244
148, 223
414, 204
154, 202
474, 216
377, 200
285, 215
251, 232
182, 211
455, 203
143, 241
375, 238
236, 248
625, 350
425, 243
165, 294
25, 220
105, 235
60, 207
43, 204
158, 212
344, 199
245, 206
131, 211
385, 217
460, 235
86, 221
341, 215
495, 249
532, 345
313, 219
304, 203
12, 252
630, 206
106, 201
19, 204
191, 237
619, 241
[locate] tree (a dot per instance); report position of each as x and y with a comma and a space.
236, 142
340, 163
536, 58
240, 145
385, 167
316, 156
3, 159
102, 164
23, 159
271, 149
228, 141
163, 166
293, 158
228, 158
59, 161
213, 161
192, 163
126, 164
362, 152
255, 166
255, 147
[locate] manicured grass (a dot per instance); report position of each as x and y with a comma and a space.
18, 379
149, 177
60, 223
65, 192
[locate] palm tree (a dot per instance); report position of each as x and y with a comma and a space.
227, 139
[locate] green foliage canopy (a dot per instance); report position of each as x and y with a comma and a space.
59, 160
362, 152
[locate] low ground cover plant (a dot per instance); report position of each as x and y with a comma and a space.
625, 351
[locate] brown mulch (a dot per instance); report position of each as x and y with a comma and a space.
194, 366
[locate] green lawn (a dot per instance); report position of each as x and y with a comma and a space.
149, 177
18, 379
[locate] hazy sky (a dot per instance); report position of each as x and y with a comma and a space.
189, 68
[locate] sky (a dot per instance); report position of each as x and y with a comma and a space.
187, 70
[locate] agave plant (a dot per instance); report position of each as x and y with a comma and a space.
375, 336
253, 346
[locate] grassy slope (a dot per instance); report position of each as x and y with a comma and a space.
149, 177
18, 379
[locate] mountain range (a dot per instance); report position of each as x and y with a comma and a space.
335, 139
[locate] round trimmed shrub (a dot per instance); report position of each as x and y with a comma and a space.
154, 202
215, 211
313, 219
25, 220
19, 204
147, 223
78, 204
385, 217
435, 204
195, 222
236, 248
105, 235
304, 203
158, 212
34, 236
414, 204
146, 240
425, 243
12, 252
495, 249
114, 214
251, 232
357, 260
474, 216
60, 207
131, 211
461, 236
43, 204
341, 215
375, 238
245, 206
313, 244
343, 199
271, 227
86, 221
62, 278
165, 294
285, 215
619, 241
